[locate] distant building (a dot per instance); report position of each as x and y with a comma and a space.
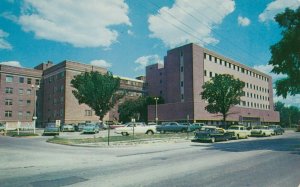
18, 89
180, 79
55, 100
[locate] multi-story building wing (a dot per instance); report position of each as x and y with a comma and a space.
180, 79
19, 87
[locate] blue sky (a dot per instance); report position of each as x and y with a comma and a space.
127, 35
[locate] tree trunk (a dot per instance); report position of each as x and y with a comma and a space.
224, 120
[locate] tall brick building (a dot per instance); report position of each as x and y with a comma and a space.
180, 79
55, 100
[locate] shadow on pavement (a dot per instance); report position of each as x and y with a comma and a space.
287, 144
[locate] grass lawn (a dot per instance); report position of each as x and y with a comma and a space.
139, 138
21, 134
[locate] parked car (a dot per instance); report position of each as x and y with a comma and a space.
171, 127
211, 134
298, 128
91, 128
138, 128
102, 125
238, 131
114, 126
196, 126
51, 130
2, 127
80, 127
277, 129
261, 131
67, 128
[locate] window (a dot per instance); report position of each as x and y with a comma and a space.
8, 90
8, 113
160, 92
21, 79
88, 112
205, 73
225, 63
28, 91
28, 102
243, 70
209, 57
37, 81
20, 102
28, 80
181, 83
20, 113
181, 53
181, 69
21, 91
28, 115
9, 78
210, 74
182, 96
205, 56
8, 101
220, 61
229, 65
216, 59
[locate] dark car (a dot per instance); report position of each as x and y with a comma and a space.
211, 135
171, 127
51, 130
277, 129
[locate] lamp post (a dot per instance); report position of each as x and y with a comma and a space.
34, 105
156, 118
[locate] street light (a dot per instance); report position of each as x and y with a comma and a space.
156, 118
34, 105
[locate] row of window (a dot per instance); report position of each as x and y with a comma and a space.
132, 83
256, 96
255, 105
248, 85
10, 79
9, 114
9, 90
234, 67
57, 113
9, 102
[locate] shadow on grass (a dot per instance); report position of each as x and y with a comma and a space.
281, 144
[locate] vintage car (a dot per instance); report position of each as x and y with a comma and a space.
67, 128
261, 131
277, 129
211, 134
171, 127
51, 130
2, 127
90, 128
136, 128
238, 131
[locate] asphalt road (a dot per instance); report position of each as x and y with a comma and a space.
273, 161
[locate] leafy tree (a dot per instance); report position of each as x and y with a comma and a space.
137, 108
288, 115
286, 53
222, 92
98, 91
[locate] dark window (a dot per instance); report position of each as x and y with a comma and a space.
209, 57
210, 74
229, 65
216, 59
205, 73
28, 102
37, 82
181, 96
181, 69
8, 101
8, 90
8, 113
160, 92
88, 112
181, 83
243, 70
225, 63
21, 79
28, 80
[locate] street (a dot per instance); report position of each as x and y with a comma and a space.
272, 161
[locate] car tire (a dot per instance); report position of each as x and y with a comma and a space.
149, 133
124, 133
213, 140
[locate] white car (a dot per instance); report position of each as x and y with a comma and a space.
137, 128
261, 131
238, 131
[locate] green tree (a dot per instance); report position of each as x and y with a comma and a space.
222, 92
286, 53
137, 108
288, 115
98, 91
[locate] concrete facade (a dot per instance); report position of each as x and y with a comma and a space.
180, 79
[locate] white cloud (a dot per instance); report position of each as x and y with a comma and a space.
276, 7
267, 69
101, 63
289, 100
243, 21
144, 61
76, 22
129, 32
200, 16
11, 63
3, 43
